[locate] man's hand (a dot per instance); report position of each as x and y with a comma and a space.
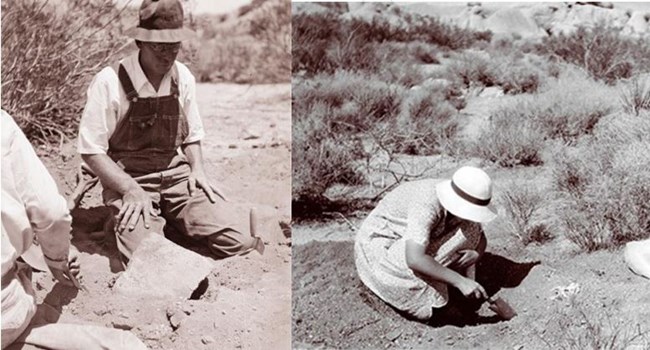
64, 273
135, 202
466, 258
198, 179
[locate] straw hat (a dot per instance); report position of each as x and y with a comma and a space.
161, 21
468, 194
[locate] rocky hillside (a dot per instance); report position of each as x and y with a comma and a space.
524, 20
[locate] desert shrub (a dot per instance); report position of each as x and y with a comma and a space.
322, 156
311, 35
507, 143
523, 203
565, 110
49, 56
357, 101
604, 183
603, 52
635, 96
426, 125
324, 42
471, 68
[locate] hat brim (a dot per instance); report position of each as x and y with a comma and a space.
159, 35
462, 208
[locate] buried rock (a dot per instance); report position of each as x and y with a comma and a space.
160, 268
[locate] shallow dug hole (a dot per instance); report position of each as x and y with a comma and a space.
333, 310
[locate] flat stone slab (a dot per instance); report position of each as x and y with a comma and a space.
160, 268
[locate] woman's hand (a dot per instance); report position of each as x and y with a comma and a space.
471, 288
466, 258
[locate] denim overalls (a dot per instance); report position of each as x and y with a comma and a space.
146, 145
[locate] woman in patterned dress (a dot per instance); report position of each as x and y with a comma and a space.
424, 236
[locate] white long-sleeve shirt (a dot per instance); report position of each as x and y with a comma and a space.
31, 206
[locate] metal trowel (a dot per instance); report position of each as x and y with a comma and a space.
259, 244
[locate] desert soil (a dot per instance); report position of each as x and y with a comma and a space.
333, 310
247, 303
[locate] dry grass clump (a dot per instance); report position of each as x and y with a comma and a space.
577, 325
48, 57
603, 52
523, 203
604, 184
635, 96
566, 108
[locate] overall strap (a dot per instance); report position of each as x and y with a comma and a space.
127, 85
174, 85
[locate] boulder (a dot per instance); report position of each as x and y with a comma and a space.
159, 268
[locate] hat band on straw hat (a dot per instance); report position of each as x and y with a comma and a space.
464, 195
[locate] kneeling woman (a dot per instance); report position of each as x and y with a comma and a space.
423, 237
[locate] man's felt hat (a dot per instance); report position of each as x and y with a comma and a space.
161, 21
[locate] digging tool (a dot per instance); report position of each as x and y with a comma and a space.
259, 244
501, 308
497, 304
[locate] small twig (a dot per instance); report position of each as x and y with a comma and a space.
352, 227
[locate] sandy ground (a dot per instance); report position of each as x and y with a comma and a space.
247, 302
333, 310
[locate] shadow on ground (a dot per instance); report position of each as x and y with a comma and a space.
332, 307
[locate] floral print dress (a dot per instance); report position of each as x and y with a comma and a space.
411, 211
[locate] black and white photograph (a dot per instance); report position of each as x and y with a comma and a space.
470, 175
146, 174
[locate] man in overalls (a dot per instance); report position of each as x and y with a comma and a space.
141, 133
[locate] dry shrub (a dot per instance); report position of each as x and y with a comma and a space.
426, 125
49, 55
472, 68
321, 156
635, 96
604, 183
523, 203
603, 52
565, 110
324, 42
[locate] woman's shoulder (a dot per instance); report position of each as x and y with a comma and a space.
420, 193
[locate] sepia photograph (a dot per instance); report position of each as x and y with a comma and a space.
146, 174
470, 175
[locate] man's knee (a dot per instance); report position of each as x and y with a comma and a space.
230, 243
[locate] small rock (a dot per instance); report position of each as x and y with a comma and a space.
393, 335
207, 339
251, 136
